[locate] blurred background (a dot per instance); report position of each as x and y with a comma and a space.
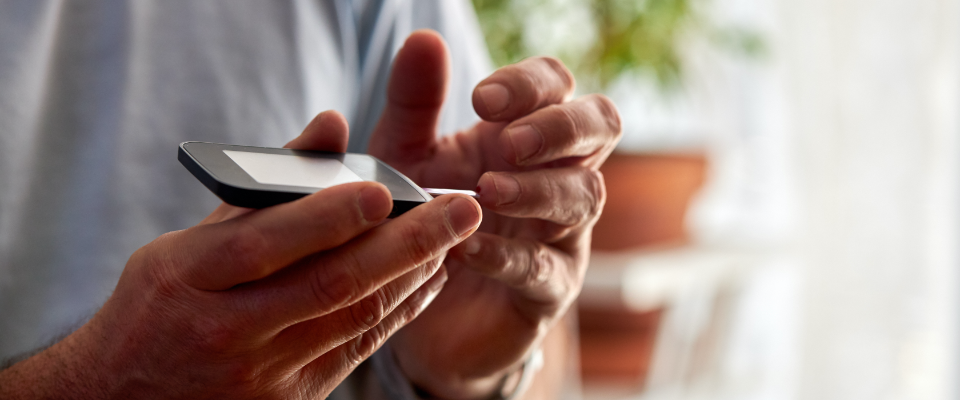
782, 216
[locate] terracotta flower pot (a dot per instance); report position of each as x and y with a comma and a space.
616, 344
647, 199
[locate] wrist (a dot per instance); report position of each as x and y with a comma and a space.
509, 384
66, 369
494, 387
60, 371
502, 388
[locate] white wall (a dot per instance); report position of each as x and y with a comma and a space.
871, 89
843, 146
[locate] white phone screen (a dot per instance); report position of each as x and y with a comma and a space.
287, 170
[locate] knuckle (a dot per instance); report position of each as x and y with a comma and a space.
408, 310
560, 127
340, 224
427, 269
407, 313
529, 91
369, 311
608, 110
538, 267
570, 125
337, 284
598, 193
365, 345
418, 243
245, 247
561, 70
560, 191
591, 194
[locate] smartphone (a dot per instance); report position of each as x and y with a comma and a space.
259, 177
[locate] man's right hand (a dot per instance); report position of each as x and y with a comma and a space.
276, 303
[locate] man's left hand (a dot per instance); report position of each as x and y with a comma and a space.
534, 161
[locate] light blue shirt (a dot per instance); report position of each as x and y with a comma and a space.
95, 95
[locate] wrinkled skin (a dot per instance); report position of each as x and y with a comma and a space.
279, 303
534, 161
285, 302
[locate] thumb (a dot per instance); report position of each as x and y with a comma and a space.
407, 129
328, 131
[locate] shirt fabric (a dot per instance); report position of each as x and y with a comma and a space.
96, 95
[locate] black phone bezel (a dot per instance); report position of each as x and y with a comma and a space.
219, 173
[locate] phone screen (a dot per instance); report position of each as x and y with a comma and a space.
258, 177
291, 170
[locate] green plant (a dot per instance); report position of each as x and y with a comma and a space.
627, 36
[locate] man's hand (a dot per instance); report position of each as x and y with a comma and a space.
534, 162
276, 303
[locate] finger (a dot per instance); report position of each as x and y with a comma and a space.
586, 126
334, 365
340, 277
519, 89
252, 246
418, 81
541, 274
328, 131
568, 196
301, 343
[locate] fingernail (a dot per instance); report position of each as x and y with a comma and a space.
374, 203
508, 189
495, 97
526, 141
472, 246
462, 215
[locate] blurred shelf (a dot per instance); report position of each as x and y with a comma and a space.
656, 316
648, 280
